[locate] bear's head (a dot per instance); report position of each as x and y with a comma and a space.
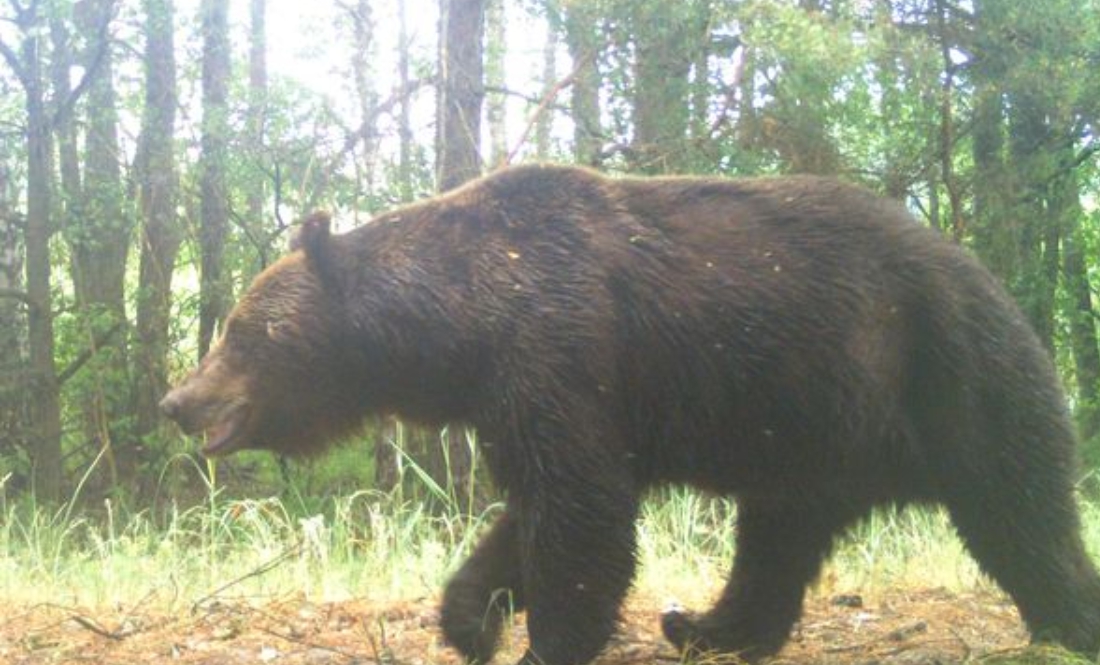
279, 377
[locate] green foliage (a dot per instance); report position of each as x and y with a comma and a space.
967, 112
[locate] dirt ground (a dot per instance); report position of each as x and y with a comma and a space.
928, 627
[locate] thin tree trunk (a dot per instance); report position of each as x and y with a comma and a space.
582, 40
545, 121
1081, 313
404, 123
257, 120
1037, 248
213, 287
68, 208
160, 237
44, 404
100, 241
13, 357
461, 90
496, 49
363, 35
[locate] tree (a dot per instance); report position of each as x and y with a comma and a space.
460, 92
544, 122
404, 121
214, 293
257, 106
12, 328
458, 159
99, 240
496, 48
667, 38
160, 235
581, 25
44, 402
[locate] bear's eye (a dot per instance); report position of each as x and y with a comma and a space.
281, 331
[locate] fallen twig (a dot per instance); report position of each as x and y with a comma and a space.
267, 566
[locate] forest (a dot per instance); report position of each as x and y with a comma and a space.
154, 159
156, 154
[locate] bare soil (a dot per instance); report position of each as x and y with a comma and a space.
926, 627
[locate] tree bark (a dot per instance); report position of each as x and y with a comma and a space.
160, 236
461, 90
1081, 313
1037, 244
496, 49
583, 42
44, 404
666, 38
545, 121
213, 286
404, 122
100, 240
257, 120
13, 356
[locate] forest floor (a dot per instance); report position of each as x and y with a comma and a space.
925, 627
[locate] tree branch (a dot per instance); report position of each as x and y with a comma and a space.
547, 100
16, 294
387, 106
13, 61
90, 74
87, 354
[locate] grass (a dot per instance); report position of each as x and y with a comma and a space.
381, 547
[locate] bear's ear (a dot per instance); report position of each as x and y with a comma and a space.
313, 234
315, 239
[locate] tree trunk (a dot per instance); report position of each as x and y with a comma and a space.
100, 242
363, 35
461, 90
996, 232
404, 122
160, 237
213, 286
666, 38
13, 356
257, 120
1037, 246
44, 404
545, 121
1081, 314
583, 41
68, 208
496, 49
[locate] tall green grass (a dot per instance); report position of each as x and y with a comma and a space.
386, 547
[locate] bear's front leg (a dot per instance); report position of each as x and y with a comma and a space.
578, 552
487, 587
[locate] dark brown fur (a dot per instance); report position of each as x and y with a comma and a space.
794, 342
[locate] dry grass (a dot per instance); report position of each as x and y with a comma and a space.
930, 627
249, 582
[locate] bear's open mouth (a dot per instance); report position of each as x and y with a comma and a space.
225, 436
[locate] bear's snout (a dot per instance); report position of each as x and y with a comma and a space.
179, 407
170, 406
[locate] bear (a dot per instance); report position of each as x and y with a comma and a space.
797, 343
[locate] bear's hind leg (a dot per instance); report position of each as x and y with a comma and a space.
485, 589
780, 550
1027, 538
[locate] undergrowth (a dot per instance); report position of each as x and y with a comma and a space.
386, 547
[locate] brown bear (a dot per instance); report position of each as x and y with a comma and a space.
797, 343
